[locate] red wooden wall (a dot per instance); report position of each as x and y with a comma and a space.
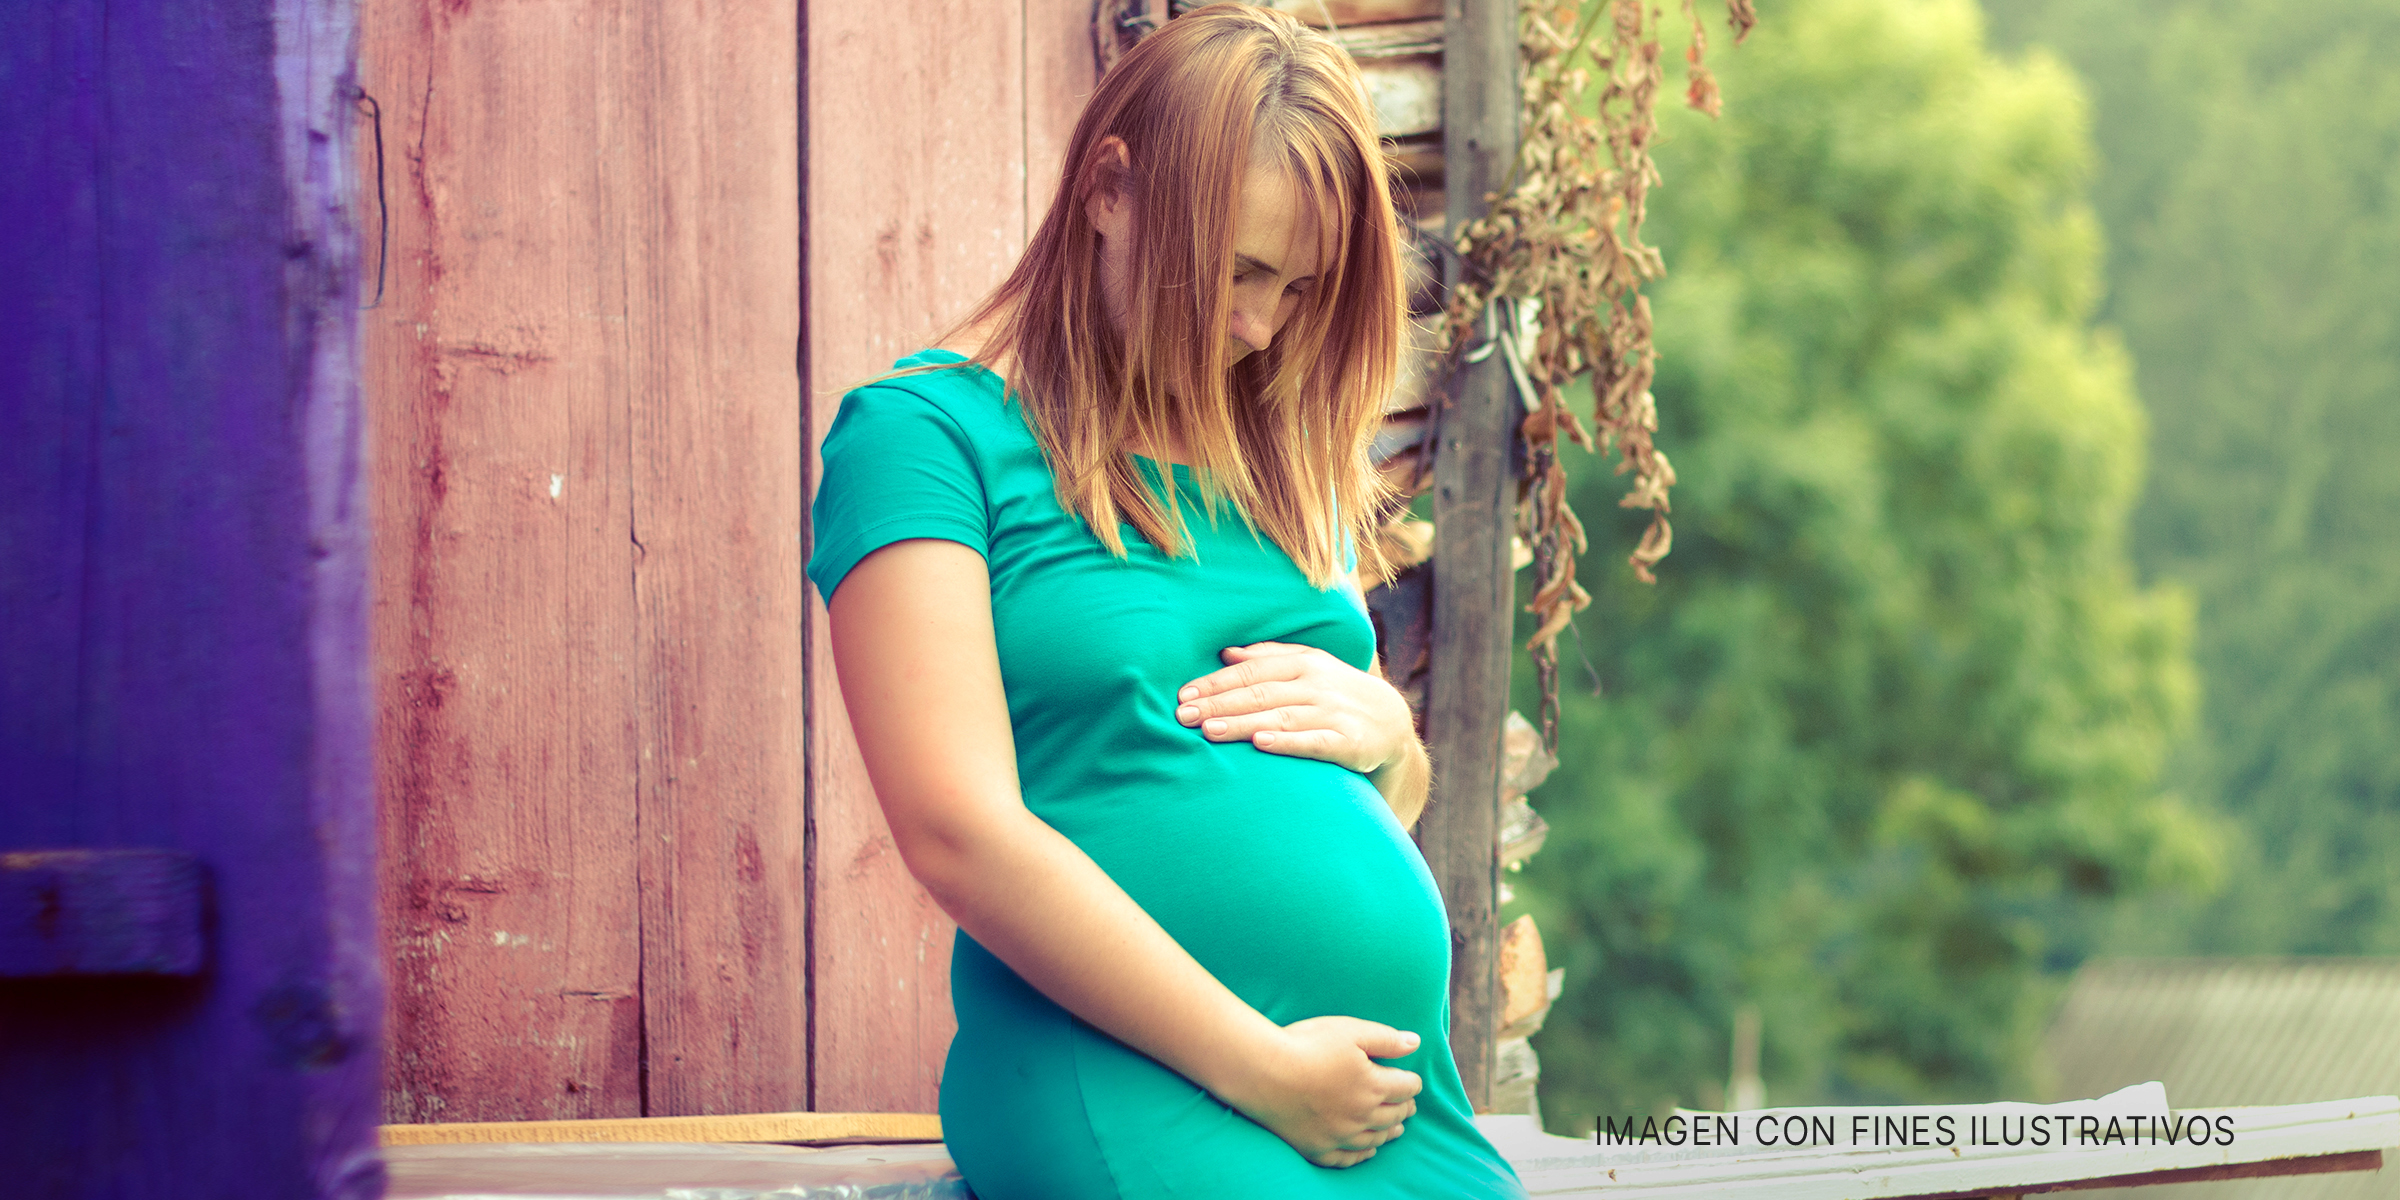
586, 470
625, 836
935, 132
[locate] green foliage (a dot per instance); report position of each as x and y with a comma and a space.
1896, 690
2252, 197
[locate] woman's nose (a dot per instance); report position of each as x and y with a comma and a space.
1250, 330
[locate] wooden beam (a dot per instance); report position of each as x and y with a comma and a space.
100, 912
1401, 39
747, 1127
183, 624
1474, 592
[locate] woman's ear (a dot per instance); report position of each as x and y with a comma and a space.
1109, 203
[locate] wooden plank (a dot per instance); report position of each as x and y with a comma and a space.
100, 912
674, 1171
592, 301
751, 1127
500, 389
1341, 13
51, 367
182, 637
2319, 1164
1857, 1156
710, 138
1402, 38
916, 208
1406, 93
1474, 592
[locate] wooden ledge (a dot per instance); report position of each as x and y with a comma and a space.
2314, 1164
798, 1127
68, 914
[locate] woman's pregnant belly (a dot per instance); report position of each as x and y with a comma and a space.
1287, 878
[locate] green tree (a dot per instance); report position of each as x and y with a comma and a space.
2251, 192
1896, 691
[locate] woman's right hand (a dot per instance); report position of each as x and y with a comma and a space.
1321, 1090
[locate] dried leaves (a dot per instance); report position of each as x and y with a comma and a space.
1562, 244
1701, 93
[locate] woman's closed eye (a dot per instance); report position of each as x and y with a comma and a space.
1245, 275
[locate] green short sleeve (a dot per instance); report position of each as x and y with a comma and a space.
897, 466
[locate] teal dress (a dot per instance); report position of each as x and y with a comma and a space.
1287, 878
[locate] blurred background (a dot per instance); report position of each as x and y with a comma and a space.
2032, 370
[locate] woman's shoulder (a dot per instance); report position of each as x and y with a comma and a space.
940, 384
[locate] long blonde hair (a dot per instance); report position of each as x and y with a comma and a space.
1283, 433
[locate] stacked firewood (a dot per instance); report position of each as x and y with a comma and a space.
1526, 981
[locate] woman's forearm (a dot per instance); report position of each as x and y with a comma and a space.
1037, 901
913, 643
1046, 909
914, 646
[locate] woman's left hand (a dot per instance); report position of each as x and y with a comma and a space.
1301, 701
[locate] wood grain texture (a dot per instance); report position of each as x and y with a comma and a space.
589, 592
1474, 589
1406, 93
182, 647
1522, 972
2314, 1164
917, 194
1398, 39
100, 912
498, 370
710, 148
789, 1127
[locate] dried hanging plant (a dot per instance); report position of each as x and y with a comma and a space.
1556, 268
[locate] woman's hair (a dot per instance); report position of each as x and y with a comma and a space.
1283, 433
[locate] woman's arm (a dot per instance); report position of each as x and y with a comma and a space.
913, 642
1299, 700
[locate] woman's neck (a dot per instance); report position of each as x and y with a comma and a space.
970, 342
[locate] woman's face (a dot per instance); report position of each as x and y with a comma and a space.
1275, 256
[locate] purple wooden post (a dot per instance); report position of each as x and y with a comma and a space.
183, 655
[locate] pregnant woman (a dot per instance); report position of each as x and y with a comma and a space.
1089, 576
